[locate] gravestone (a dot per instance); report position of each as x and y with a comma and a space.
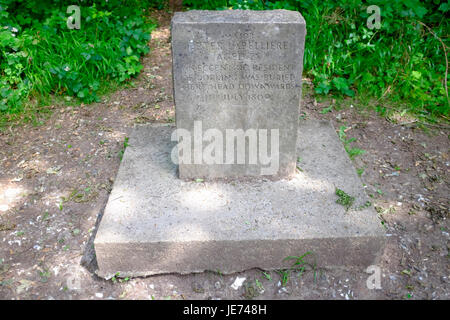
238, 72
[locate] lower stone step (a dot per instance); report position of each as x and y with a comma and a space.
156, 223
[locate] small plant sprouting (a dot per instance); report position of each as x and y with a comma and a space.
46, 216
285, 275
352, 152
299, 266
267, 275
299, 159
44, 275
259, 285
122, 151
344, 199
360, 171
367, 204
327, 109
115, 279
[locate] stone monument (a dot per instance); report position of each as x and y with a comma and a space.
239, 72
223, 190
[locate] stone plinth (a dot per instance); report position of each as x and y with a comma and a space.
156, 223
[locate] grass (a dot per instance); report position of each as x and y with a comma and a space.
401, 66
41, 58
299, 266
285, 275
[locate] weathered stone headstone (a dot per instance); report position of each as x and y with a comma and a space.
237, 74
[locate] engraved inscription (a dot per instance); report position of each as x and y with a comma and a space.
236, 68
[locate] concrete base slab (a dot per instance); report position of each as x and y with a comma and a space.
156, 223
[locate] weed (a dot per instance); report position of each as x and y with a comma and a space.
344, 199
114, 278
124, 146
352, 152
382, 211
285, 275
79, 196
259, 285
299, 159
46, 216
299, 266
406, 272
44, 275
367, 204
267, 275
326, 110
360, 171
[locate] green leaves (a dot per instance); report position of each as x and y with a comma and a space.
444, 7
326, 110
344, 199
324, 87
416, 7
352, 152
338, 84
124, 146
41, 55
342, 85
129, 51
344, 58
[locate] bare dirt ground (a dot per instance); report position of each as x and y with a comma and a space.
55, 180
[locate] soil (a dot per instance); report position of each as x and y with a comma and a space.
55, 179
